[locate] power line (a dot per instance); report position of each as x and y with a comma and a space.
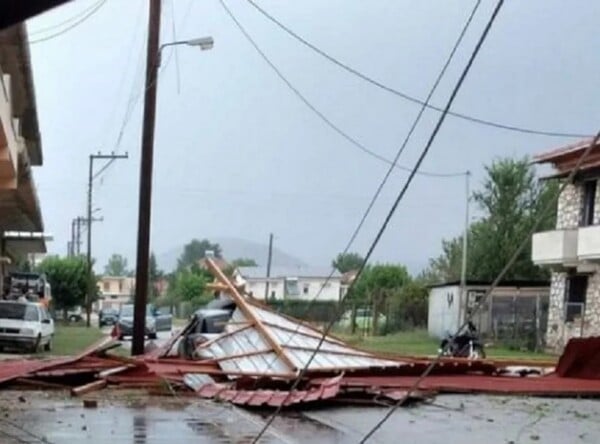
72, 26
317, 112
404, 95
399, 153
392, 209
134, 100
543, 215
64, 22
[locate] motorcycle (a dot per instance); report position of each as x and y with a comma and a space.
463, 345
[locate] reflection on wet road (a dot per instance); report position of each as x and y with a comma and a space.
135, 418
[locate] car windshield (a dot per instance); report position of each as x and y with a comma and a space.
18, 311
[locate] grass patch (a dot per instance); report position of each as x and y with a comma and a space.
72, 339
419, 343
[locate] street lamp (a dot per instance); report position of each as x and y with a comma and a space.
204, 43
154, 50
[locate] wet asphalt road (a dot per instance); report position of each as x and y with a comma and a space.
137, 419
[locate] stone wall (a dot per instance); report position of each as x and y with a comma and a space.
569, 207
559, 332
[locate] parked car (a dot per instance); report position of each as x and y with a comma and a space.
107, 316
75, 315
155, 321
26, 326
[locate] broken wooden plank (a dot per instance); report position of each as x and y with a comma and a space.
87, 388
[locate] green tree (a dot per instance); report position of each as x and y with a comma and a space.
196, 250
154, 275
376, 286
244, 262
511, 200
345, 262
68, 278
190, 287
116, 266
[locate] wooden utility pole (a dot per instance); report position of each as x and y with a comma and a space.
144, 211
269, 258
89, 220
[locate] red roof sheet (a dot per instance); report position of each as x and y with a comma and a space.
563, 151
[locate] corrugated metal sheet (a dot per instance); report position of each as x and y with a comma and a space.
243, 349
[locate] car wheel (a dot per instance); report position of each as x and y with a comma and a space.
48, 346
36, 346
73, 319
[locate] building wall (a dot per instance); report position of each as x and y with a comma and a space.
115, 291
443, 316
331, 292
559, 332
569, 207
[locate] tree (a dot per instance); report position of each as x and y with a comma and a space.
190, 287
196, 250
68, 278
116, 266
511, 200
377, 285
243, 262
345, 262
154, 275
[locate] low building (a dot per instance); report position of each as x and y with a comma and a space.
572, 249
513, 306
115, 291
20, 150
290, 283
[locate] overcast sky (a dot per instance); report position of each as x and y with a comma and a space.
238, 155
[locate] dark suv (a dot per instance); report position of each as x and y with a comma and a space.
107, 316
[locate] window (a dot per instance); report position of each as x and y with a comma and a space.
305, 288
588, 203
106, 286
575, 290
272, 295
291, 287
120, 286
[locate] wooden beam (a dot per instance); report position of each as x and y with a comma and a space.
87, 388
245, 308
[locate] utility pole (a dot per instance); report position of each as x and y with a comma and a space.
463, 271
89, 220
78, 236
269, 258
145, 202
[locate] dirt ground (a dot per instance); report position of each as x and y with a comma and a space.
132, 417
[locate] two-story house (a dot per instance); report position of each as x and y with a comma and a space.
115, 291
572, 250
290, 283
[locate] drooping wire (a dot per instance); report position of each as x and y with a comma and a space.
64, 22
95, 9
404, 95
469, 317
391, 168
317, 112
392, 210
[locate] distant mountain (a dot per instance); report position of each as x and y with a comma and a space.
234, 248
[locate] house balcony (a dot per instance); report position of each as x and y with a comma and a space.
557, 248
588, 243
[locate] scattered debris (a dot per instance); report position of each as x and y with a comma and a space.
256, 356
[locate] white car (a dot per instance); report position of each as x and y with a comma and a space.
26, 326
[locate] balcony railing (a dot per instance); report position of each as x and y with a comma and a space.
557, 247
588, 243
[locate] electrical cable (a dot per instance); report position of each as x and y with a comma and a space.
545, 212
392, 210
406, 96
391, 168
317, 112
64, 22
133, 101
72, 26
